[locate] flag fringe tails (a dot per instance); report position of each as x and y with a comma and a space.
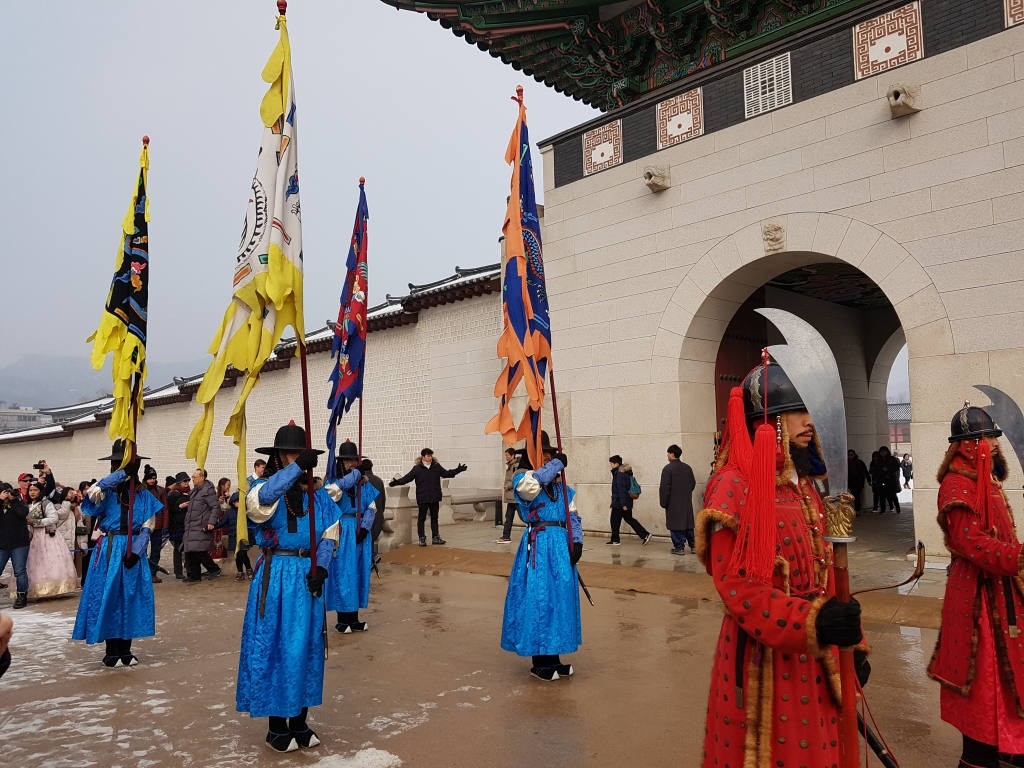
525, 342
267, 284
123, 328
349, 333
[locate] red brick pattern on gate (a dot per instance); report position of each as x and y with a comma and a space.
888, 41
602, 148
681, 118
1014, 12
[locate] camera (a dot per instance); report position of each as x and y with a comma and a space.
40, 466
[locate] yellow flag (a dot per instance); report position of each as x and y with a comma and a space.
123, 327
267, 285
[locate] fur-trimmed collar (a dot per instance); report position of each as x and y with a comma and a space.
962, 458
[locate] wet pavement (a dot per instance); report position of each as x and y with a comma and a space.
428, 685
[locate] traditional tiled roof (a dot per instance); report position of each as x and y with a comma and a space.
607, 53
393, 312
899, 413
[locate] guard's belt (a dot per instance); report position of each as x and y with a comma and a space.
547, 524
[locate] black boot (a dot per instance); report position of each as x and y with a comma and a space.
436, 540
127, 658
279, 737
113, 654
304, 736
22, 600
423, 541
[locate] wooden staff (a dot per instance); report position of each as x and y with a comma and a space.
310, 480
850, 741
136, 383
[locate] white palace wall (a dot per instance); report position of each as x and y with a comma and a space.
930, 206
427, 384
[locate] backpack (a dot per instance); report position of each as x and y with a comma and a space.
634, 488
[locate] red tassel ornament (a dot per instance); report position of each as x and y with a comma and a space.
754, 556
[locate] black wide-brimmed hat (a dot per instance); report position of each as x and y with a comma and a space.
971, 423
781, 394
117, 452
348, 450
545, 442
290, 437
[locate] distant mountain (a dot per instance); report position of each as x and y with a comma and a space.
42, 381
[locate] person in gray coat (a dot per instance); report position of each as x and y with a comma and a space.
202, 515
676, 496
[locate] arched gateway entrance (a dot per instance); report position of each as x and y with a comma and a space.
863, 291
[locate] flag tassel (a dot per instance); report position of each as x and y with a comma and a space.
310, 480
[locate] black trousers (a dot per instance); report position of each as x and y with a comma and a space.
431, 507
618, 515
194, 561
546, 661
118, 647
177, 544
510, 517
283, 725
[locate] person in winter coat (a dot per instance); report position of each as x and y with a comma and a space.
890, 469
117, 604
907, 465
200, 520
857, 476
51, 569
512, 463
14, 539
64, 503
622, 502
675, 493
542, 606
428, 473
160, 524
177, 510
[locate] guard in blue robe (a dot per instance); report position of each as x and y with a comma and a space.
542, 607
348, 585
281, 669
117, 603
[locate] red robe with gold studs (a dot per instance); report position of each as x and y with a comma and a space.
774, 690
979, 658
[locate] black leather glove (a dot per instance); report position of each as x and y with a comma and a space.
360, 535
562, 458
315, 582
577, 553
307, 460
839, 623
863, 667
461, 468
130, 560
131, 469
392, 484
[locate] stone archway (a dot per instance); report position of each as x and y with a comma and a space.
701, 307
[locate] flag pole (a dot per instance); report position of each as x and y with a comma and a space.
359, 449
310, 481
565, 484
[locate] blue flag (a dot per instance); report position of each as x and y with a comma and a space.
349, 334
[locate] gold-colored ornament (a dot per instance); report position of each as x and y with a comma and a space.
839, 516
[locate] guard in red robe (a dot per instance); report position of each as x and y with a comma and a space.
979, 658
775, 683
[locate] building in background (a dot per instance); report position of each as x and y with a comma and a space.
21, 417
859, 163
899, 428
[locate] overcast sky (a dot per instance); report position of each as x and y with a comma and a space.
383, 94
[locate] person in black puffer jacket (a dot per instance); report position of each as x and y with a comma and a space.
428, 473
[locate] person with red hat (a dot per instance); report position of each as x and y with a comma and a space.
978, 658
775, 683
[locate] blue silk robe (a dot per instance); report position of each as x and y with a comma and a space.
348, 588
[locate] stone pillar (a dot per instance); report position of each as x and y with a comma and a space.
398, 519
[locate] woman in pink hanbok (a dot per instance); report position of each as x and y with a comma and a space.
51, 569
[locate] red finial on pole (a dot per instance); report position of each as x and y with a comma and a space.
519, 95
145, 140
362, 180
282, 7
